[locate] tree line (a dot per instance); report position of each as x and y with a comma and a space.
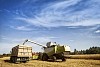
91, 50
4, 55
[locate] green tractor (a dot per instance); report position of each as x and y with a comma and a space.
52, 51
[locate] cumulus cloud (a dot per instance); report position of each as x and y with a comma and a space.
66, 13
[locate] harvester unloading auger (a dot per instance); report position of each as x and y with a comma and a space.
32, 42
52, 50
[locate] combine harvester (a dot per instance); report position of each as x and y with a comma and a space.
52, 51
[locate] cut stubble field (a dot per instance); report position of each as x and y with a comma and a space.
39, 63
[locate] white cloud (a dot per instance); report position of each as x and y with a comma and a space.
6, 10
44, 23
3, 37
71, 40
23, 28
72, 27
42, 39
97, 31
89, 22
0, 10
60, 14
11, 42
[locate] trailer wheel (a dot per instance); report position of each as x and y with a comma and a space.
45, 57
15, 59
11, 59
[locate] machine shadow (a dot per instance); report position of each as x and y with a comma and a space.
8, 61
55, 61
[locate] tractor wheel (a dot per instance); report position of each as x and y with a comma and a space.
54, 58
45, 57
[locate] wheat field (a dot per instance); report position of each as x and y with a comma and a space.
39, 63
85, 56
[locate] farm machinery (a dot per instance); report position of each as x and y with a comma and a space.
21, 53
52, 51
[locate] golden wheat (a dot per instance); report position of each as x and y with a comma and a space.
90, 56
39, 63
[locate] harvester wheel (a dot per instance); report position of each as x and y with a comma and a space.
13, 59
24, 61
45, 57
54, 58
63, 59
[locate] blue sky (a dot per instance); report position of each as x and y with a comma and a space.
68, 22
